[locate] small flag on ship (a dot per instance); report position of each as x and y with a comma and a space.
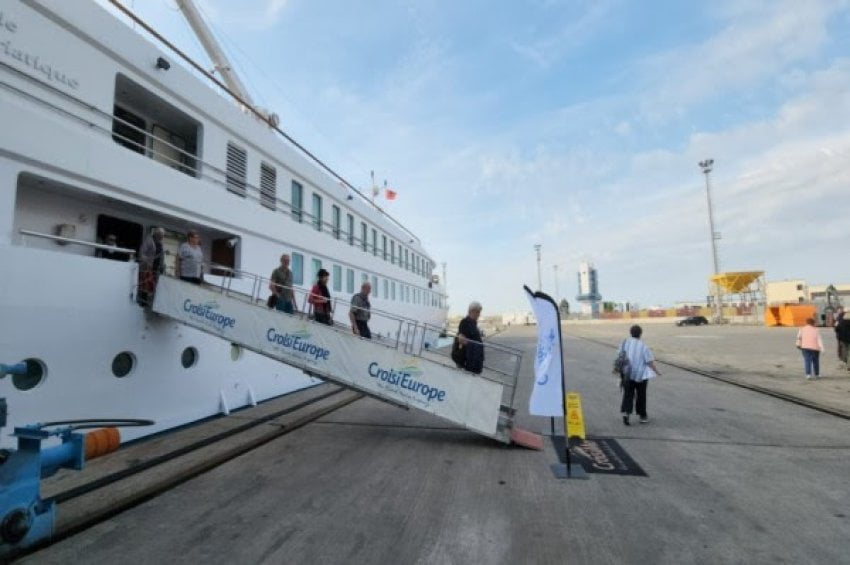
390, 194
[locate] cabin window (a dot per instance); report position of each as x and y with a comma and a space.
392, 290
386, 289
317, 212
317, 264
406, 260
34, 376
350, 229
297, 200
375, 284
392, 251
337, 278
364, 236
374, 242
349, 280
337, 219
189, 357
123, 364
167, 148
297, 268
268, 186
128, 130
384, 246
237, 169
147, 124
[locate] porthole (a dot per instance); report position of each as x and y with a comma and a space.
189, 358
123, 364
35, 375
235, 352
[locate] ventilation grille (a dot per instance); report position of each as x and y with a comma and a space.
237, 160
268, 186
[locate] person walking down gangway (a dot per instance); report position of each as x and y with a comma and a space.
151, 265
320, 299
360, 311
190, 259
642, 368
810, 345
280, 285
467, 349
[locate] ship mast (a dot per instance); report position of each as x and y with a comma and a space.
216, 54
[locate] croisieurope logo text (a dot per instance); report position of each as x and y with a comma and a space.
405, 380
209, 314
297, 342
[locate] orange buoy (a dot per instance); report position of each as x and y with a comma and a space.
102, 441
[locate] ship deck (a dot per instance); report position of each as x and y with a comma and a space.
734, 474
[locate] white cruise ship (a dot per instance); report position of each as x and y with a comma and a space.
104, 133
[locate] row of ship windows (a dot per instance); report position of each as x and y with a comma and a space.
381, 288
379, 245
123, 364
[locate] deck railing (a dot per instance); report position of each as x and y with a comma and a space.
131, 253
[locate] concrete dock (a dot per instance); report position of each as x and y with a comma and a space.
734, 476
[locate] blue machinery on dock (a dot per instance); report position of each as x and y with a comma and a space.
26, 519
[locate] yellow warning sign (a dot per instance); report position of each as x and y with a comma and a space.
574, 421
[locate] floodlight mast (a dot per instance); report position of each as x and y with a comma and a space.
707, 165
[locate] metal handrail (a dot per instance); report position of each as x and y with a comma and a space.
410, 333
59, 238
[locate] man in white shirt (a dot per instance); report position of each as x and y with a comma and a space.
641, 369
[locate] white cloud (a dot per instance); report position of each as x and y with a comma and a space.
578, 23
756, 43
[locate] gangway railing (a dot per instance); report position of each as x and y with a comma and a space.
413, 336
402, 367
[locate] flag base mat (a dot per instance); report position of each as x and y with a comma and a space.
598, 455
576, 471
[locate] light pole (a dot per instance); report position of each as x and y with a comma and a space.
537, 247
556, 283
706, 167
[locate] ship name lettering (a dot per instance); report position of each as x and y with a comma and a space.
5, 22
32, 61
208, 313
295, 343
406, 381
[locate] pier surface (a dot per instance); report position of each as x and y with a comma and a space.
734, 476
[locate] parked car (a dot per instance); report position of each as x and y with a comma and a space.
692, 321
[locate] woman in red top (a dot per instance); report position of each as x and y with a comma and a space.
320, 299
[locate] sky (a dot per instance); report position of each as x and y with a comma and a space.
577, 125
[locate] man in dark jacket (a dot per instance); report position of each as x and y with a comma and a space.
469, 351
842, 333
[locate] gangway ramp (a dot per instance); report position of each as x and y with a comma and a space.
399, 370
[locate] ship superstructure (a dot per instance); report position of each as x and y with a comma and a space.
103, 134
